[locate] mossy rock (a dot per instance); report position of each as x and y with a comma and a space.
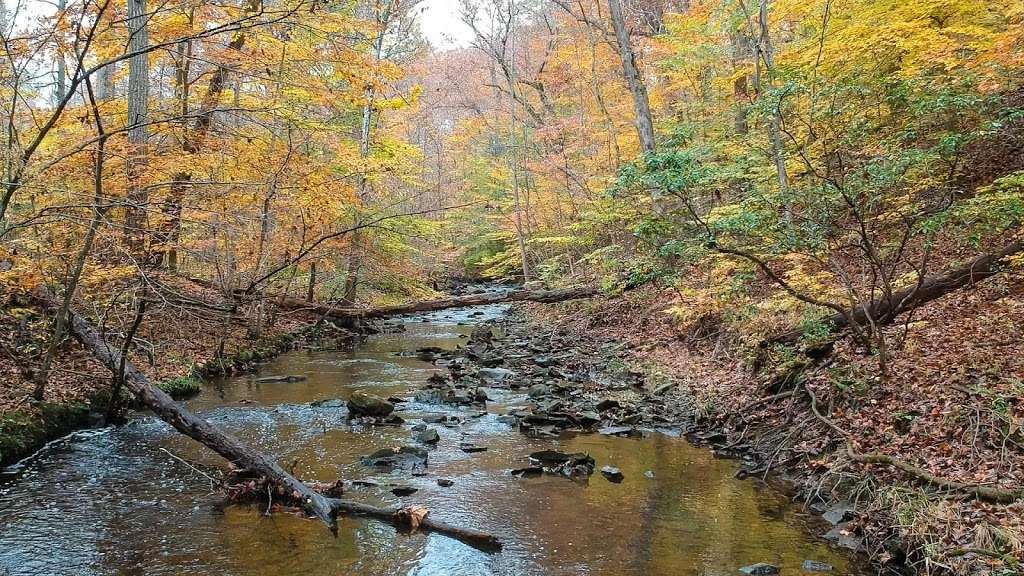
181, 387
23, 432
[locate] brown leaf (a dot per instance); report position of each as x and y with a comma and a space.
413, 515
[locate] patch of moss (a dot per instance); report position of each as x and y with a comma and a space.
181, 387
23, 432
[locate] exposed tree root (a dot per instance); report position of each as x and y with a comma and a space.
987, 493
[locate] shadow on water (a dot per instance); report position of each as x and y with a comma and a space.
115, 501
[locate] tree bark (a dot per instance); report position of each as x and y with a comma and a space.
644, 123
928, 289
440, 304
138, 110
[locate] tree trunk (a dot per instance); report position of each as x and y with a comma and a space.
644, 123
312, 281
928, 289
441, 304
138, 104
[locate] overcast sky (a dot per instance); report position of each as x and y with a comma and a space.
441, 25
439, 20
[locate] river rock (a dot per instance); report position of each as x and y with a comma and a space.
528, 472
275, 379
841, 536
563, 462
419, 427
509, 419
412, 458
428, 436
434, 418
363, 404
815, 566
470, 448
480, 395
545, 361
607, 404
331, 403
616, 431
538, 390
444, 482
495, 375
840, 512
613, 474
760, 569
404, 490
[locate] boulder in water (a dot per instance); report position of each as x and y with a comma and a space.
428, 436
363, 404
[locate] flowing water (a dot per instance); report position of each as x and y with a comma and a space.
124, 500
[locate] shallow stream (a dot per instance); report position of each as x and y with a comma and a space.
124, 501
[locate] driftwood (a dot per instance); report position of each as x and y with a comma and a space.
241, 456
439, 304
886, 310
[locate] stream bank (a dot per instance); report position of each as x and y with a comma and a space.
764, 417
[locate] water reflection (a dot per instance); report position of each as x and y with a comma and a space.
117, 502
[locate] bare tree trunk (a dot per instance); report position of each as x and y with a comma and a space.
62, 71
775, 119
138, 109
356, 248
642, 106
312, 281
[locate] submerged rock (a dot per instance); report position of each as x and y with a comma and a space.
404, 490
613, 474
444, 482
470, 448
411, 458
760, 569
275, 379
815, 566
363, 404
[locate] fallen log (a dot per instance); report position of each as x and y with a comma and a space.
546, 296
242, 456
885, 310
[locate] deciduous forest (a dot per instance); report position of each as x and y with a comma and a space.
655, 286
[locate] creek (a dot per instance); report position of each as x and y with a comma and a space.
124, 501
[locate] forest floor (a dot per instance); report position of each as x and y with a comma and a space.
953, 406
179, 341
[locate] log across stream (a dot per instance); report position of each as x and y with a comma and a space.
116, 501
